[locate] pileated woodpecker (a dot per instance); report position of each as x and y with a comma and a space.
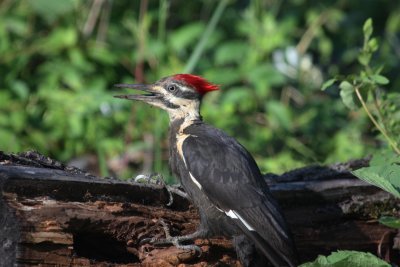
220, 176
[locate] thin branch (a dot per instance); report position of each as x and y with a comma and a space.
310, 33
92, 17
198, 51
142, 35
379, 113
104, 22
162, 21
390, 141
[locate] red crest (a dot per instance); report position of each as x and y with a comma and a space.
199, 83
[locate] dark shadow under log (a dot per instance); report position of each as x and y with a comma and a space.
59, 216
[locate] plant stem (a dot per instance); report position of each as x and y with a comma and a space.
379, 113
390, 141
162, 19
311, 32
194, 58
92, 17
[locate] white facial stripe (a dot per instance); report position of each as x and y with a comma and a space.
179, 101
186, 107
184, 88
234, 215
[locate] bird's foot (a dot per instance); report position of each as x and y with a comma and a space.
174, 240
157, 179
152, 178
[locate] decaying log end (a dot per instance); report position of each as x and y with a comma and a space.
55, 215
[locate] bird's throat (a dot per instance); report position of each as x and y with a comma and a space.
189, 112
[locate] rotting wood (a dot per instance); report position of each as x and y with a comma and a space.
54, 215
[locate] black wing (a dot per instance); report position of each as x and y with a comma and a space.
230, 178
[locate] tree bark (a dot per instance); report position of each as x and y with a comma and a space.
55, 215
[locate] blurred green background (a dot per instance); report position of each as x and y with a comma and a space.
60, 59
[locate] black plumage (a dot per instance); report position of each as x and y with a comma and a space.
221, 178
230, 181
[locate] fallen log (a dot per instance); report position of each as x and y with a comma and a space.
53, 215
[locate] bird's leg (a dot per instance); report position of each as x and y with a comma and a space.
175, 240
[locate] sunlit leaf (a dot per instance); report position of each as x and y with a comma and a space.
347, 94
364, 58
328, 83
392, 222
368, 28
347, 258
383, 173
380, 79
373, 44
58, 40
386, 157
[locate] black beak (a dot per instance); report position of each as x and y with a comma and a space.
149, 96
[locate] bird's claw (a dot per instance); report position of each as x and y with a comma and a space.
197, 250
172, 240
155, 178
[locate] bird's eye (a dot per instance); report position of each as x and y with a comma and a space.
171, 88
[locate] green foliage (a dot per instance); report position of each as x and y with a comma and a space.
59, 60
390, 221
347, 258
364, 90
347, 93
384, 172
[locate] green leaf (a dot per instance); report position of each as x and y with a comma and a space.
16, 25
347, 94
234, 99
389, 221
368, 28
380, 79
186, 36
328, 83
386, 157
384, 173
372, 45
346, 258
364, 58
21, 89
50, 9
279, 115
231, 52
62, 38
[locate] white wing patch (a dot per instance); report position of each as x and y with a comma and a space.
180, 138
179, 145
231, 214
234, 215
195, 181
